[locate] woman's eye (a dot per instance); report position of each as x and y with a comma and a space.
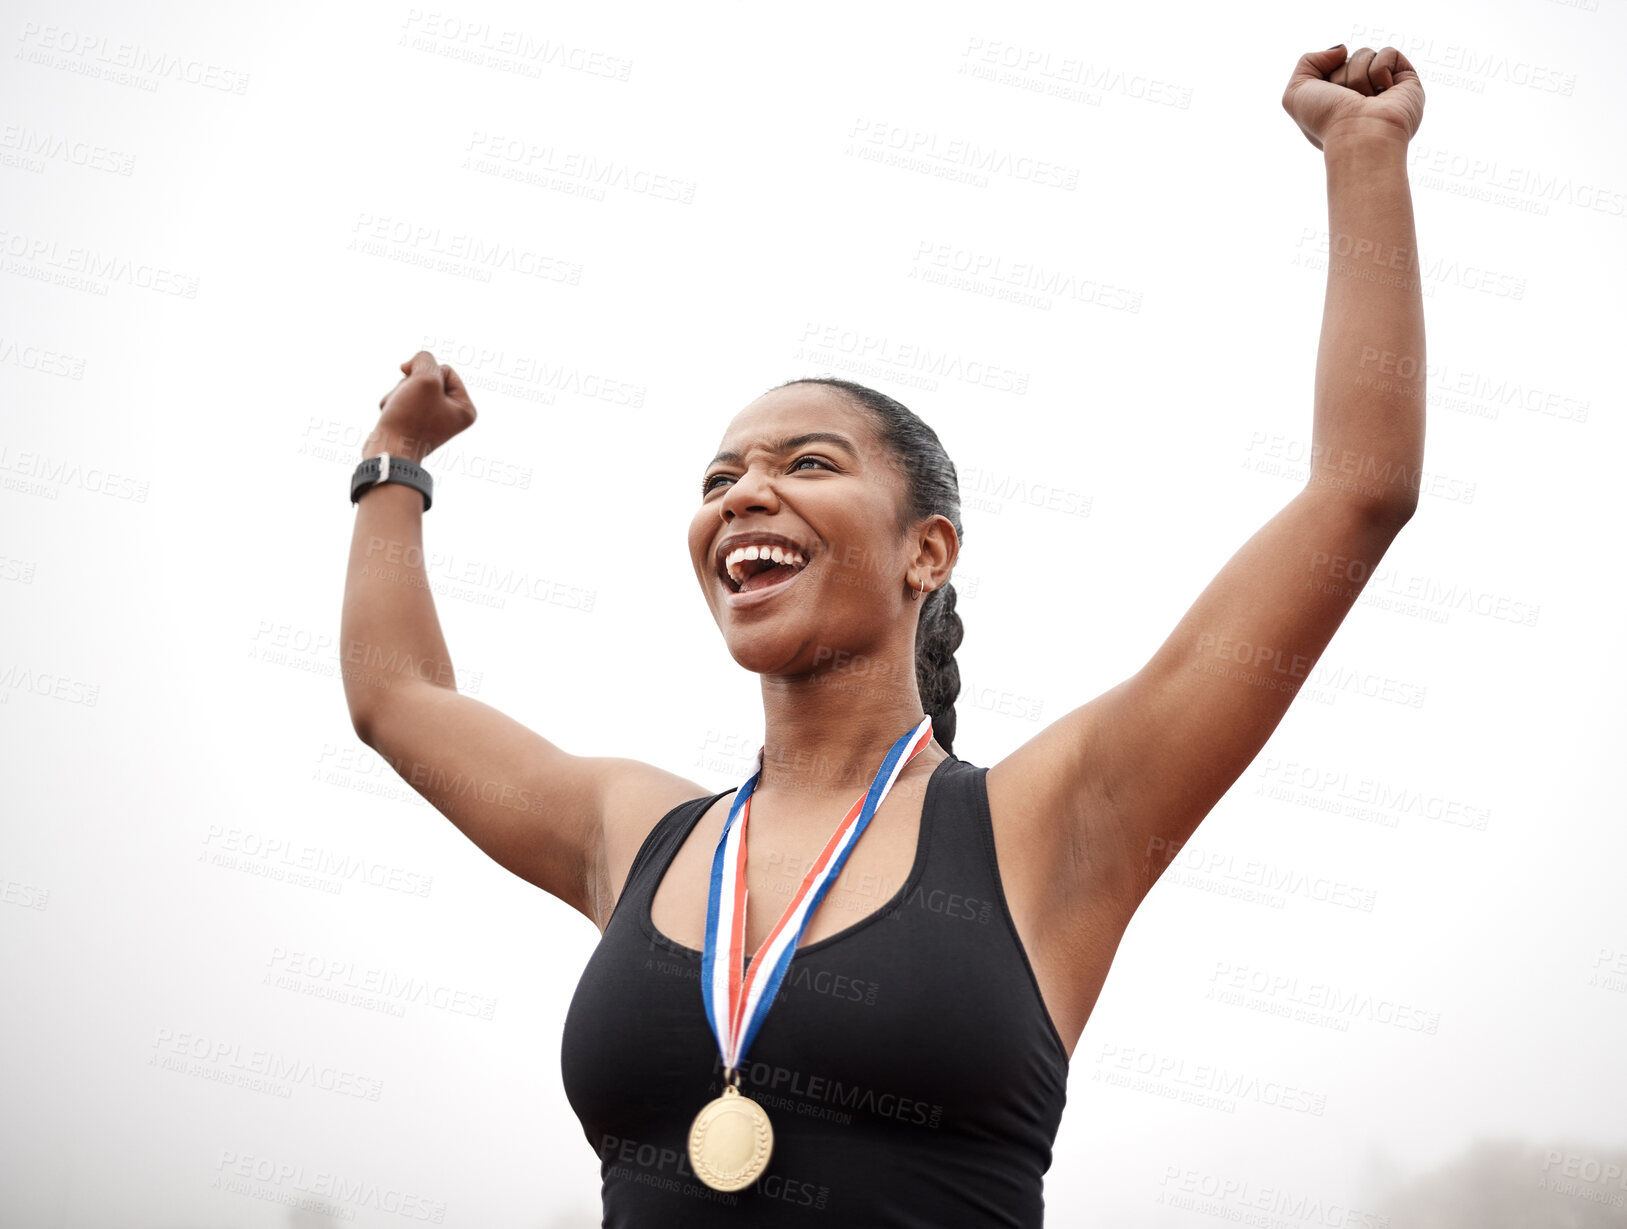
710, 484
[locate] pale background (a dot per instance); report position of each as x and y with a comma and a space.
174, 528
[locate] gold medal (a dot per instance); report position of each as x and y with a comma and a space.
730, 1141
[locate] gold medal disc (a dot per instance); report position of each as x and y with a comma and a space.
730, 1141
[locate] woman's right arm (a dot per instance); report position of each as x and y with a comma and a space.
568, 824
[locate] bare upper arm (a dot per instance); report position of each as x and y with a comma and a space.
1110, 791
569, 824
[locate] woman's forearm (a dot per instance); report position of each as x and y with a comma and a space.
390, 636
1368, 431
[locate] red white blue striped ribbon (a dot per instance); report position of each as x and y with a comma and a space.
736, 1003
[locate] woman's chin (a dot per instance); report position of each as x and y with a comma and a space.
764, 654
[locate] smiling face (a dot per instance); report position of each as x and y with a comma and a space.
800, 472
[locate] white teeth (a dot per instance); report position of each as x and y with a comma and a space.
774, 554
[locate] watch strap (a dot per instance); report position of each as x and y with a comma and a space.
375, 471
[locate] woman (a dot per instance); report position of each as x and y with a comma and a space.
904, 1038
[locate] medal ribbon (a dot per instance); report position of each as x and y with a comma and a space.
737, 1004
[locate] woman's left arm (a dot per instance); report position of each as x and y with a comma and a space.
1107, 794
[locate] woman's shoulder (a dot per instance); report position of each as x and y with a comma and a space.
639, 798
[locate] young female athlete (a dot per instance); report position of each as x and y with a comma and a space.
878, 1031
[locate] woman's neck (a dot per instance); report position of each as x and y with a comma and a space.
825, 734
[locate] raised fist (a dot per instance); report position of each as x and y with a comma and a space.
428, 407
1376, 90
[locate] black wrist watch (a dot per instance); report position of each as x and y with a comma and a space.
375, 471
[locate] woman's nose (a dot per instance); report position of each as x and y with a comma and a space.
750, 492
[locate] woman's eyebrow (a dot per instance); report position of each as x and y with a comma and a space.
795, 441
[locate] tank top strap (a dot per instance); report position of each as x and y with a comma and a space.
961, 880
962, 836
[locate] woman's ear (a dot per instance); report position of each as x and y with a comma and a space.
936, 549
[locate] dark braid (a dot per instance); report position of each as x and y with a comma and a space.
931, 487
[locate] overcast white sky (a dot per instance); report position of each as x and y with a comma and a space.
262, 197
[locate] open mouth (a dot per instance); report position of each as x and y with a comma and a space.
755, 562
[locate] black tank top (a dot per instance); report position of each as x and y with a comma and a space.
910, 1070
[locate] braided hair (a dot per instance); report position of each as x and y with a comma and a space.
931, 487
